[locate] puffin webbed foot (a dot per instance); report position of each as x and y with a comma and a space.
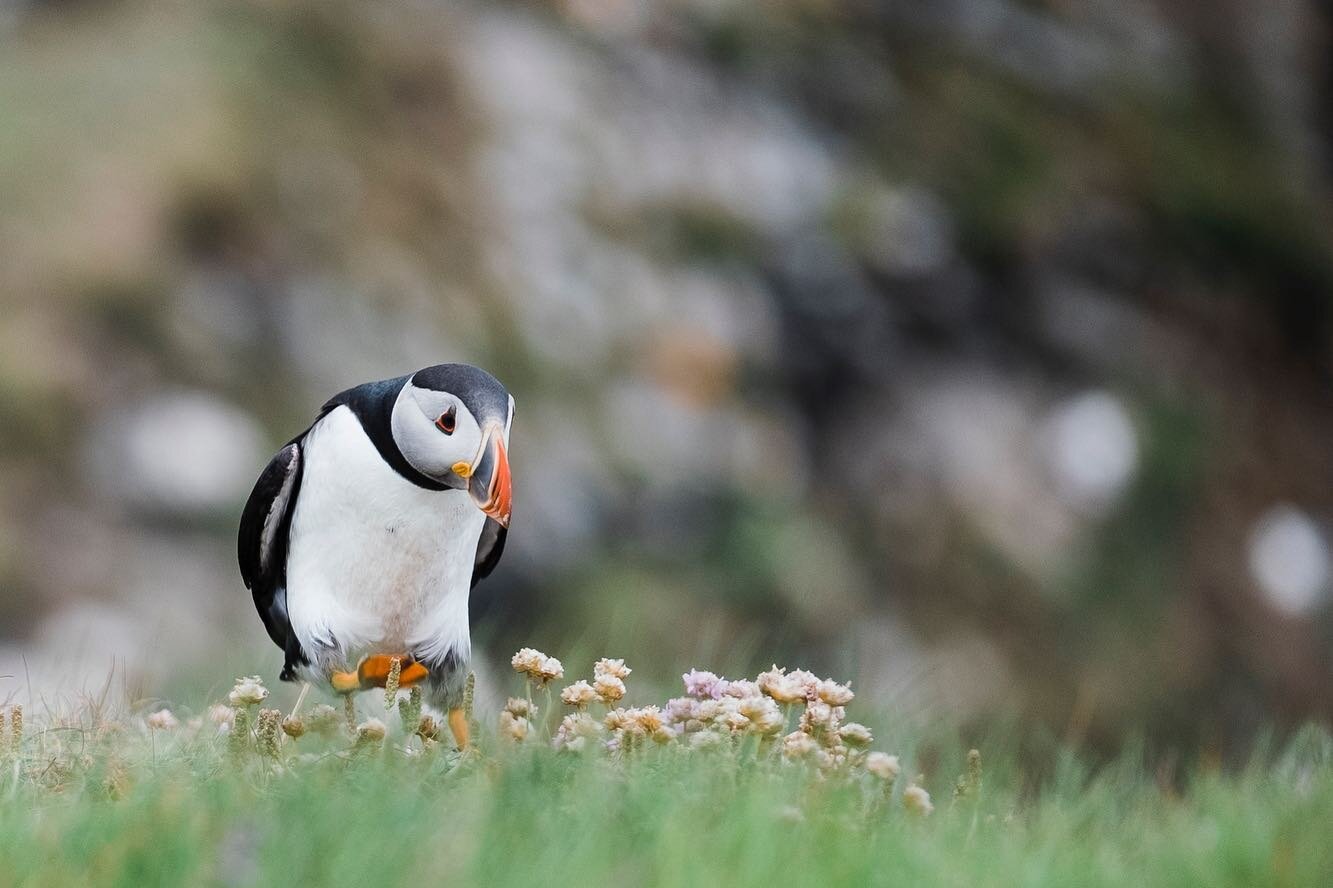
373, 672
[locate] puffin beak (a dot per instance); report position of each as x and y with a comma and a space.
489, 483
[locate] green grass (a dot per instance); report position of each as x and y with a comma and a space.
125, 806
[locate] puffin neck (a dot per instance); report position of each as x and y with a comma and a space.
372, 405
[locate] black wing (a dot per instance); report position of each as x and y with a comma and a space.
262, 549
489, 549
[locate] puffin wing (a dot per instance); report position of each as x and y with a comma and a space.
262, 546
489, 549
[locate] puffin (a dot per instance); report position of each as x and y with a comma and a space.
366, 533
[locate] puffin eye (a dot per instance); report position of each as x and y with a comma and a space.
448, 420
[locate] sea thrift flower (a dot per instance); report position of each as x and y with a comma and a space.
518, 707
781, 687
617, 719
681, 710
741, 688
917, 801
709, 711
537, 666
704, 685
514, 727
807, 680
832, 758
248, 691
834, 694
615, 668
799, 745
527, 660
222, 716
855, 734
705, 740
549, 670
162, 720
323, 719
883, 766
763, 713
580, 694
293, 727
576, 732
609, 688
371, 734
820, 717
649, 719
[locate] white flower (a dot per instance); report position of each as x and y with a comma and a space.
855, 734
706, 740
799, 745
709, 711
704, 685
520, 708
515, 727
917, 801
883, 766
808, 681
609, 688
616, 668
650, 719
741, 688
763, 713
222, 716
537, 666
682, 709
248, 691
372, 729
832, 758
162, 720
780, 687
576, 732
820, 716
834, 694
579, 694
549, 670
527, 660
324, 719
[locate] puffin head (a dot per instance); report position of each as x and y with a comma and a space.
451, 423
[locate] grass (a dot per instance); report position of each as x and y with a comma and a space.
97, 801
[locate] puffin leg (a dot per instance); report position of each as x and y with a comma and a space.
458, 724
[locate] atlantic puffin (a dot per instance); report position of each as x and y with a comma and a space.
365, 534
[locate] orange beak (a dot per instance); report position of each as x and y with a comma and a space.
489, 484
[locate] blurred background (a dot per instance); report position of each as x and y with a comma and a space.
976, 350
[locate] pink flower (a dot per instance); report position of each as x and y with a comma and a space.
741, 689
704, 685
681, 709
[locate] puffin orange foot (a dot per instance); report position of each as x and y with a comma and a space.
373, 672
345, 682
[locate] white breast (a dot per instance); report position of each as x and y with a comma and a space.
374, 561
